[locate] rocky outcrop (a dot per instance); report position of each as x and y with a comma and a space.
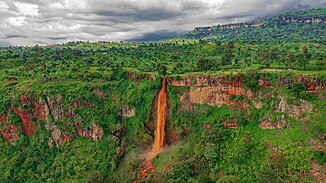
25, 118
40, 109
304, 20
265, 83
185, 102
237, 82
309, 83
211, 90
57, 136
228, 26
215, 96
8, 132
293, 110
95, 132
285, 19
55, 106
267, 123
212, 81
99, 93
298, 111
31, 112
286, 110
216, 90
128, 111
228, 124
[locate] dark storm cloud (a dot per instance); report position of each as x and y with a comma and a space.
15, 36
138, 15
155, 36
193, 5
57, 38
28, 22
233, 18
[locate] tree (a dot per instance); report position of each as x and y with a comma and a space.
290, 59
161, 68
204, 64
306, 56
227, 54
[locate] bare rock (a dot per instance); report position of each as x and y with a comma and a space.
96, 132
296, 111
267, 123
99, 93
56, 135
55, 107
128, 111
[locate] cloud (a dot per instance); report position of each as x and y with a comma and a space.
10, 36
30, 22
157, 35
4, 44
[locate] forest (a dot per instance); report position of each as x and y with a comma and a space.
236, 110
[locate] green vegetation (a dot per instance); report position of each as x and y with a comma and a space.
302, 26
79, 85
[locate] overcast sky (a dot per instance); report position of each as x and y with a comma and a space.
30, 22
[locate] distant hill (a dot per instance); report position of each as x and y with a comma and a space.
301, 26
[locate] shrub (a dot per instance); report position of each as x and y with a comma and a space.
95, 177
204, 64
229, 179
297, 88
251, 80
267, 175
320, 156
305, 95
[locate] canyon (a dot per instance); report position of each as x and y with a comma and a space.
35, 113
211, 90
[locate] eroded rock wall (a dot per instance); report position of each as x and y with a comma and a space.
42, 110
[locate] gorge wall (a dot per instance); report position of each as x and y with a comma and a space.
43, 110
211, 90
230, 91
216, 90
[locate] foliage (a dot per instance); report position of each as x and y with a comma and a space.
83, 83
289, 27
320, 156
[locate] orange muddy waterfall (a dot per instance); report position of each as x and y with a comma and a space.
161, 119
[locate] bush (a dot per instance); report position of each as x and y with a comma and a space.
204, 64
305, 95
297, 88
229, 179
320, 156
267, 175
181, 171
204, 178
251, 80
95, 177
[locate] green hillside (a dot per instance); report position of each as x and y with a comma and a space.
302, 26
232, 110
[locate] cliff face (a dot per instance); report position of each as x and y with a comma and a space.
218, 91
41, 109
211, 90
318, 20
9, 132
